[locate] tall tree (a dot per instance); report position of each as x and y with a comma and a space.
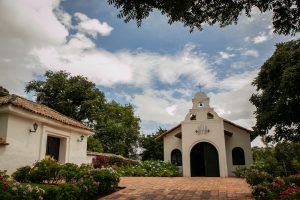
196, 13
73, 96
152, 148
3, 92
277, 99
115, 125
118, 129
94, 144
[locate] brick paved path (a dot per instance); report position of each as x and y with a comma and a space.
186, 188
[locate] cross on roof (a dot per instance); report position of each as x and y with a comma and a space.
200, 86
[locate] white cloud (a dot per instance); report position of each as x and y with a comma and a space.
153, 105
79, 56
237, 81
260, 38
250, 52
80, 41
225, 55
38, 39
171, 109
231, 103
247, 39
239, 65
264, 36
92, 26
25, 25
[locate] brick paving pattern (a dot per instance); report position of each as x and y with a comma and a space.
184, 188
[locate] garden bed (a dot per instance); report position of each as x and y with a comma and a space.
48, 179
266, 186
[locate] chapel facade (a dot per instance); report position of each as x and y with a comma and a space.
205, 144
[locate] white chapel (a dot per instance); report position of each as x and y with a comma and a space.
205, 144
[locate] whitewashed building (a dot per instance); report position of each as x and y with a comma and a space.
205, 144
29, 131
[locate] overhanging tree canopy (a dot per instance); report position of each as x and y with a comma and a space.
277, 99
196, 13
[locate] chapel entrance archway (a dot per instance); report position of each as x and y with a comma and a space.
204, 160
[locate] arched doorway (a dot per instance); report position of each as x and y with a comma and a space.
204, 160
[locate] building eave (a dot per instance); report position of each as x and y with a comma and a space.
236, 125
167, 132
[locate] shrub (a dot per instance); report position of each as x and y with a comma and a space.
26, 191
240, 171
108, 179
255, 177
67, 181
22, 174
88, 187
150, 168
117, 161
45, 171
69, 171
5, 192
100, 161
264, 186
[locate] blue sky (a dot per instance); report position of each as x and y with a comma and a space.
156, 67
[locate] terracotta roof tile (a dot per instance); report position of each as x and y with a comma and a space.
40, 110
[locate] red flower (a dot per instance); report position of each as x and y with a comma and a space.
288, 191
275, 184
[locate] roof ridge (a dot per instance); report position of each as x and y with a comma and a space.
52, 110
12, 100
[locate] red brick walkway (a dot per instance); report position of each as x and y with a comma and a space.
181, 188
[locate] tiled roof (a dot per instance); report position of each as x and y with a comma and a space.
40, 109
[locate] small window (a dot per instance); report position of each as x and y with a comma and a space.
193, 117
238, 156
176, 157
210, 116
201, 104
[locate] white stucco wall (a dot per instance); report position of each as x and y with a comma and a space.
240, 138
214, 137
170, 143
26, 148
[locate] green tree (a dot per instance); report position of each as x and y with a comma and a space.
288, 155
94, 144
281, 159
152, 148
196, 13
73, 96
265, 159
115, 125
3, 92
277, 100
118, 129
